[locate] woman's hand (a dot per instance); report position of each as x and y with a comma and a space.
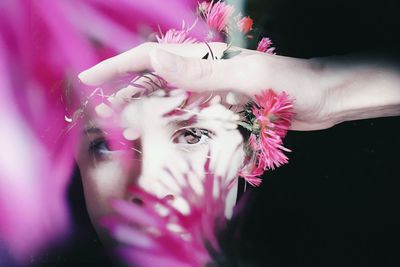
324, 94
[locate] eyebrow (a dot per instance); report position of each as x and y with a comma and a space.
90, 129
183, 123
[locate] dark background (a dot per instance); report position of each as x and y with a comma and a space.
337, 202
312, 28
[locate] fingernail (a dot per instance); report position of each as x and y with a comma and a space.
81, 76
84, 77
232, 99
165, 60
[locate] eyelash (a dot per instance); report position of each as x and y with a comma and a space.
191, 132
99, 148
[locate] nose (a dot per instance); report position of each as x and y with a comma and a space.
147, 116
155, 153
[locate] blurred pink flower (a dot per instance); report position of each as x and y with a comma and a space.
217, 14
173, 36
43, 46
245, 25
149, 237
264, 45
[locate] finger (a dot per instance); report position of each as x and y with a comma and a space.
137, 60
109, 69
196, 74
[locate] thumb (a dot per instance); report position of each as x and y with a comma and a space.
194, 74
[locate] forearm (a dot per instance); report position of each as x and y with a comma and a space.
361, 87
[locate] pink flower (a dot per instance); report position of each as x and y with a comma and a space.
265, 45
273, 114
217, 15
174, 36
147, 237
252, 173
202, 7
37, 143
245, 24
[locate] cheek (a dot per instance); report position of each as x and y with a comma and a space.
227, 154
197, 160
227, 158
101, 184
162, 172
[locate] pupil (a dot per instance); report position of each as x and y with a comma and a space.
192, 136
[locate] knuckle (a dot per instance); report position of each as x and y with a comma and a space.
144, 47
206, 68
198, 69
147, 45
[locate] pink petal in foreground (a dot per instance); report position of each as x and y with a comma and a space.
42, 48
192, 241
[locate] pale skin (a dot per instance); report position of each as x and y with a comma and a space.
152, 143
327, 91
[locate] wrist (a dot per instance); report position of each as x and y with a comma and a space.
360, 91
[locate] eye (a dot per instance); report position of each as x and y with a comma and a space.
99, 148
191, 136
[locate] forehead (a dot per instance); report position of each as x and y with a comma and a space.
149, 98
156, 112
151, 84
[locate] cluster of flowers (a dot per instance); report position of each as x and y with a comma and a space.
155, 233
268, 118
221, 21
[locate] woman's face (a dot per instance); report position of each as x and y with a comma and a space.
151, 141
